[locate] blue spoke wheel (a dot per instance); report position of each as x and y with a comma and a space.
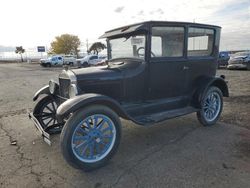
211, 106
90, 137
93, 138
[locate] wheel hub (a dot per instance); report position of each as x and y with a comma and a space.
93, 138
211, 106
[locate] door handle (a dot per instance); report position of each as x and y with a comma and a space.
185, 68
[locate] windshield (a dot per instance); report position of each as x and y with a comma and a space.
128, 47
86, 57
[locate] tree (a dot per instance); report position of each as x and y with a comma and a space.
65, 44
97, 47
20, 50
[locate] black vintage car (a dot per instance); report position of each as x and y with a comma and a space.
156, 71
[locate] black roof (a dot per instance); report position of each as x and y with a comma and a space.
145, 26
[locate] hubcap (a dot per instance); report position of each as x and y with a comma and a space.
93, 138
212, 106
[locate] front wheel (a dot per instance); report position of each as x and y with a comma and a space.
90, 137
211, 107
45, 112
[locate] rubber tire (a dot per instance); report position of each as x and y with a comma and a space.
85, 64
38, 106
248, 65
71, 124
200, 114
48, 65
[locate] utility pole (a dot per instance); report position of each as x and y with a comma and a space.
87, 45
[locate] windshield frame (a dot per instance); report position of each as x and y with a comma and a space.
128, 36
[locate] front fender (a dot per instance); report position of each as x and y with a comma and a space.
81, 101
43, 90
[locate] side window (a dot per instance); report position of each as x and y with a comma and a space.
59, 58
156, 46
93, 57
53, 59
200, 41
167, 41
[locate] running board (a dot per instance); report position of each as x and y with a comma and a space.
161, 116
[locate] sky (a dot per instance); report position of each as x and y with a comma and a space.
34, 23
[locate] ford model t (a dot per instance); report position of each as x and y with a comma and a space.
155, 71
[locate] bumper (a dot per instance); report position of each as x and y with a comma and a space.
237, 66
45, 135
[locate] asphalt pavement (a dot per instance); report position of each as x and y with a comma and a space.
175, 153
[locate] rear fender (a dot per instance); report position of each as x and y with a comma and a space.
82, 101
204, 84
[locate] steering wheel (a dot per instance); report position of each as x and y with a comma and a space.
142, 54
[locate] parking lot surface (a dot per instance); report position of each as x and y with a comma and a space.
175, 153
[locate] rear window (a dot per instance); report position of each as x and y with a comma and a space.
200, 41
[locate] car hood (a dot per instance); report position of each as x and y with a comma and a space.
94, 74
115, 70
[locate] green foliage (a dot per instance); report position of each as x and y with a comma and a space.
65, 44
97, 47
20, 50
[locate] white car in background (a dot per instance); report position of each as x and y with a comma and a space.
91, 60
240, 60
58, 60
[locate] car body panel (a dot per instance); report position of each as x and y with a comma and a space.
143, 88
172, 81
223, 59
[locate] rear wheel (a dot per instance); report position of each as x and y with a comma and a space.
91, 137
211, 107
85, 64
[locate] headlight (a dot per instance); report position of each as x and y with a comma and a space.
52, 86
73, 90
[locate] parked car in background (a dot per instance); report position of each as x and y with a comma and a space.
58, 60
223, 59
90, 60
240, 60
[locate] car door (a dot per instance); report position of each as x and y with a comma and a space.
93, 60
167, 66
202, 60
60, 60
54, 61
